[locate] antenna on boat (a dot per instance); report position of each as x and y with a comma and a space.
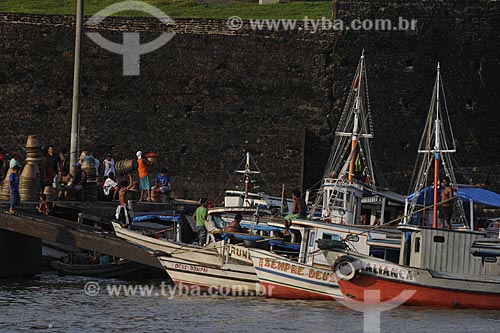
437, 152
435, 147
247, 172
351, 150
354, 137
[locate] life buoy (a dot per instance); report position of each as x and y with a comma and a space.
345, 268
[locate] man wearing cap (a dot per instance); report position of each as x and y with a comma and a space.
144, 184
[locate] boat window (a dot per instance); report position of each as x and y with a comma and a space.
490, 260
417, 244
438, 239
331, 236
312, 239
349, 202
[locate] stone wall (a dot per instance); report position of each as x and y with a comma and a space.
211, 94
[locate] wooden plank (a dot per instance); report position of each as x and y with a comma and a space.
77, 235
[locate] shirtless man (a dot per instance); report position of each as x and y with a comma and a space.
299, 211
123, 211
235, 226
446, 209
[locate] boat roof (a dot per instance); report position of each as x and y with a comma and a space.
389, 195
240, 209
477, 194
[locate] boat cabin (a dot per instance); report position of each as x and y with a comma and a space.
382, 244
446, 251
341, 201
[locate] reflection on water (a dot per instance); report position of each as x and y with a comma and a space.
52, 304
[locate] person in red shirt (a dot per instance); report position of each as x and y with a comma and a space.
144, 184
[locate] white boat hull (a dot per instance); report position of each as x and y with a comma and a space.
284, 278
193, 253
229, 280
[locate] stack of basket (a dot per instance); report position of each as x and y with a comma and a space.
30, 180
5, 187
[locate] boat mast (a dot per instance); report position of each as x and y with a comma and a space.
437, 152
354, 137
247, 173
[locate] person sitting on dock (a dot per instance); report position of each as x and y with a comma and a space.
200, 216
63, 184
446, 209
123, 211
78, 187
162, 181
42, 206
235, 226
299, 211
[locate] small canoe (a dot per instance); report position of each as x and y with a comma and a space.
120, 269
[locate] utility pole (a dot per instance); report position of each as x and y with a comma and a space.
75, 113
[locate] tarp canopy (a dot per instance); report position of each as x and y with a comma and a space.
476, 194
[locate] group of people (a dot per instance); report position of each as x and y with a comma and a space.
299, 211
55, 172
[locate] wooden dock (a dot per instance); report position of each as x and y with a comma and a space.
72, 234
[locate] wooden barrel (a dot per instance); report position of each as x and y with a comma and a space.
29, 182
29, 189
124, 167
33, 142
5, 187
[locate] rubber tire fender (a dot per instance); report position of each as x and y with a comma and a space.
346, 268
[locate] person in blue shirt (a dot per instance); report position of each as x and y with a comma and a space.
15, 199
162, 181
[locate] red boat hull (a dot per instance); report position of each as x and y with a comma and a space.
423, 296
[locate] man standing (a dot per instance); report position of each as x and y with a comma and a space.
50, 165
299, 211
15, 199
13, 161
144, 184
123, 210
446, 209
200, 216
109, 165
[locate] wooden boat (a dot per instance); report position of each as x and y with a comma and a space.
352, 189
201, 267
436, 268
245, 198
282, 277
120, 269
225, 279
193, 253
307, 274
